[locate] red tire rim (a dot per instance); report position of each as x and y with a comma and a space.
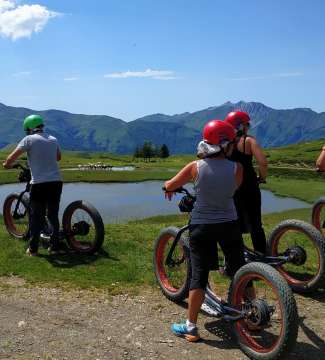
9, 221
68, 230
243, 331
160, 263
291, 280
316, 217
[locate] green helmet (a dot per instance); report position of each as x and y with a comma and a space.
32, 121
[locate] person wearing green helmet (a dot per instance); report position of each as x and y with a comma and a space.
43, 154
33, 123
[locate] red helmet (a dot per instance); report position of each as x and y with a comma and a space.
237, 118
216, 132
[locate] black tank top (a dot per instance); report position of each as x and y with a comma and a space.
249, 174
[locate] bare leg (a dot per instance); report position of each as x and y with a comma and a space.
196, 298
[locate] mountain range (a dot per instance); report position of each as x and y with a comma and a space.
180, 132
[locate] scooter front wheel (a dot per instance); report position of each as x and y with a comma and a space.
16, 215
173, 275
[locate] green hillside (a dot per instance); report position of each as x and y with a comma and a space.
180, 132
297, 155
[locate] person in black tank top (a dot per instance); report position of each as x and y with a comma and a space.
248, 197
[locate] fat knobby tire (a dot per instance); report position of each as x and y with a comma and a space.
7, 216
319, 242
176, 295
315, 213
98, 223
289, 310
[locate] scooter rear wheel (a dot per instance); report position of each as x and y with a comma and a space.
305, 245
269, 327
83, 227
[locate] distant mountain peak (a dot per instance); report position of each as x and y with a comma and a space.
241, 104
211, 108
180, 132
306, 109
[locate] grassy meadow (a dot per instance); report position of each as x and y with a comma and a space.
126, 259
124, 264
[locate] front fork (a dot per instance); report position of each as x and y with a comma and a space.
16, 215
169, 259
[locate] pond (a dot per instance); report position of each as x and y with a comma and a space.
119, 202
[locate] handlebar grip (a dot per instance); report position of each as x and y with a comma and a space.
178, 190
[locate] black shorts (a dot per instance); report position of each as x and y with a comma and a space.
48, 192
204, 239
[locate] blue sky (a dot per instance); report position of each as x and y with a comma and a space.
130, 58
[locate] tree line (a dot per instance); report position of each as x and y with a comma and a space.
149, 150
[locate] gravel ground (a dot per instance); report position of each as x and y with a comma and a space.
52, 323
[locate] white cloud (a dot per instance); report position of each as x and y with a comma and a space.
292, 74
22, 74
166, 77
248, 78
149, 73
6, 5
19, 21
270, 76
71, 79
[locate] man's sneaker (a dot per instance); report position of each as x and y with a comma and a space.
30, 253
182, 331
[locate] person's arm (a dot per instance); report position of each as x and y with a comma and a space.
58, 154
239, 174
260, 157
188, 173
12, 158
320, 162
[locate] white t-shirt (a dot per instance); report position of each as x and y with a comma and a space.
42, 152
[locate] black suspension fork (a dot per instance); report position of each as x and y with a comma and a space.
169, 260
19, 201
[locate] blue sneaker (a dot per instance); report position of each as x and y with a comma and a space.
182, 331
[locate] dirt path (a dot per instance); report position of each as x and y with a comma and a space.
42, 323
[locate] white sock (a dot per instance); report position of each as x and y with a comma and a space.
190, 325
